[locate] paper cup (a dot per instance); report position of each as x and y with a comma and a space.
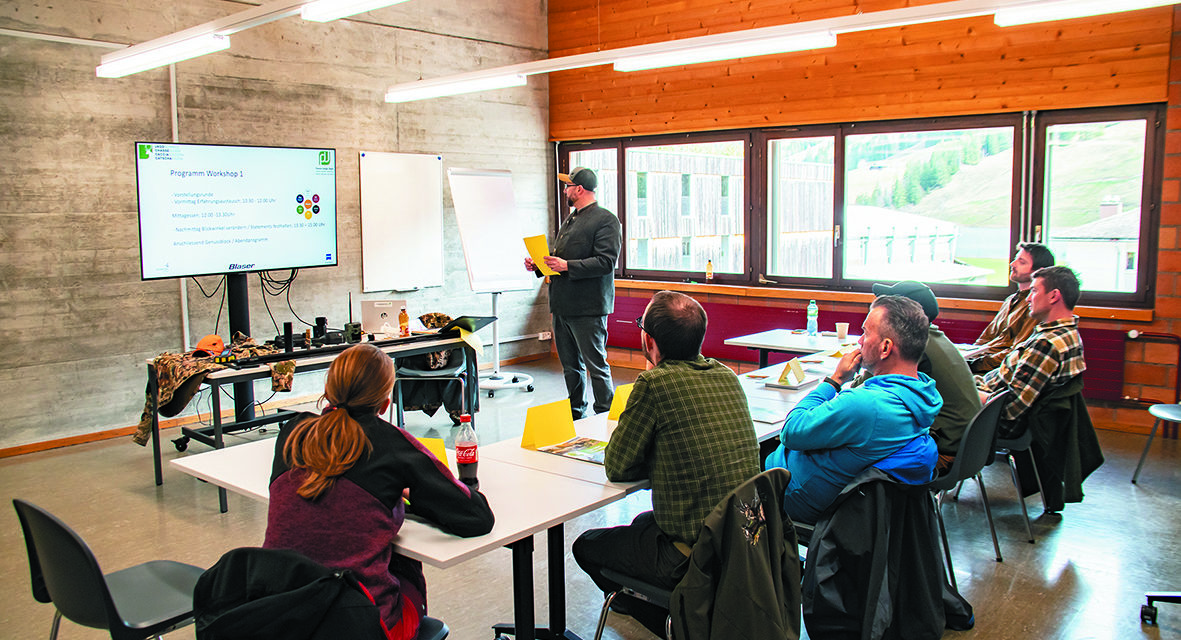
842, 330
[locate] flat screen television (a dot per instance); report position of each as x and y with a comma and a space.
215, 209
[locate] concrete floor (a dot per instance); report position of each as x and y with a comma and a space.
1084, 578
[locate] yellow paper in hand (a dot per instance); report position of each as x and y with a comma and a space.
435, 446
538, 250
548, 424
472, 341
622, 393
793, 373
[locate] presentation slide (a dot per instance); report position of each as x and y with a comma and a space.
207, 209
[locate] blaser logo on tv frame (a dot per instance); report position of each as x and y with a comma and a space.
240, 267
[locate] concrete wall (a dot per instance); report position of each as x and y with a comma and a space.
76, 322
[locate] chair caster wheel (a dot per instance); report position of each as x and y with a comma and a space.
529, 388
181, 443
491, 394
1148, 614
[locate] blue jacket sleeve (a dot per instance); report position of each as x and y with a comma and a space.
825, 419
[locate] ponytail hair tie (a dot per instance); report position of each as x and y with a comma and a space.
329, 408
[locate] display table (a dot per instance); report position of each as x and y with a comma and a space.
305, 361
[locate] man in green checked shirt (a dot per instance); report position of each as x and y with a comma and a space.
687, 428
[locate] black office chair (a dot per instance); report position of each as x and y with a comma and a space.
636, 588
456, 369
138, 602
752, 514
1009, 448
975, 451
432, 629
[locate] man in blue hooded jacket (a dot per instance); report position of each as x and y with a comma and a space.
833, 435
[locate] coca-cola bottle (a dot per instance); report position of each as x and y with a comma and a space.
467, 454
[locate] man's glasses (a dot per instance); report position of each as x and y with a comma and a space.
640, 323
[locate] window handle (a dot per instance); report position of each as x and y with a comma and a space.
763, 280
836, 235
1037, 233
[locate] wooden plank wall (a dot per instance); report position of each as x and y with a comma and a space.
956, 67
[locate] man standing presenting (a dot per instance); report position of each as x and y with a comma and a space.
832, 435
1012, 324
1050, 357
582, 295
687, 428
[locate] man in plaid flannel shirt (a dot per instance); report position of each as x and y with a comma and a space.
687, 428
1048, 358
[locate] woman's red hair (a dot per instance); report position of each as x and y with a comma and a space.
359, 381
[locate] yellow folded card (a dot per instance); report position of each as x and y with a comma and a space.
472, 341
619, 403
538, 249
435, 446
793, 373
548, 424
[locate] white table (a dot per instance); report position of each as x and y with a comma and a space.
789, 341
525, 501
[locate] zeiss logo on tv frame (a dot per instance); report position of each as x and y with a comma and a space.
325, 157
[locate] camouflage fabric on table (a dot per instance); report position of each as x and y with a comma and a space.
179, 375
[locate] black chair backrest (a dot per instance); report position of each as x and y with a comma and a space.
62, 562
976, 446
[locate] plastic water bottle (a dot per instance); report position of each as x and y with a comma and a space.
467, 453
403, 323
813, 313
709, 270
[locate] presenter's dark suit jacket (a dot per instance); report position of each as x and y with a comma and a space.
589, 242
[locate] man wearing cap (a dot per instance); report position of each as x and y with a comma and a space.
947, 367
582, 294
1012, 324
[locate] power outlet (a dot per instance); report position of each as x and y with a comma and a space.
545, 335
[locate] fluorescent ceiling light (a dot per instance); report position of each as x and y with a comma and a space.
726, 51
116, 66
425, 89
1067, 9
329, 10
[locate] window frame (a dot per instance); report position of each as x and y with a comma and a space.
1150, 192
1029, 129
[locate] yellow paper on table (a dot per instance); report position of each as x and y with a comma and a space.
538, 250
435, 446
622, 393
793, 372
472, 341
548, 424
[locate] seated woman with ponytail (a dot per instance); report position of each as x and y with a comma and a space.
338, 484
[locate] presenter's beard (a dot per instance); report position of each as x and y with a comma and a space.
570, 202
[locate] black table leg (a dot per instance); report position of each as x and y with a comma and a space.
763, 353
524, 627
153, 407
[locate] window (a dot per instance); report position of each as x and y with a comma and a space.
940, 200
1093, 194
934, 205
682, 221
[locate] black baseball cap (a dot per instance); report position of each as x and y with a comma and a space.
582, 177
916, 291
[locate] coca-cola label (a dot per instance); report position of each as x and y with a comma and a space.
466, 453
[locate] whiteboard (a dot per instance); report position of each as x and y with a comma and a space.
490, 228
401, 221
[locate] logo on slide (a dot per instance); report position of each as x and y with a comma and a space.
325, 158
145, 151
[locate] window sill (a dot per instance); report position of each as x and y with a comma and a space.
959, 304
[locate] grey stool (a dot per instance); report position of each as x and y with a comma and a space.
1166, 412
